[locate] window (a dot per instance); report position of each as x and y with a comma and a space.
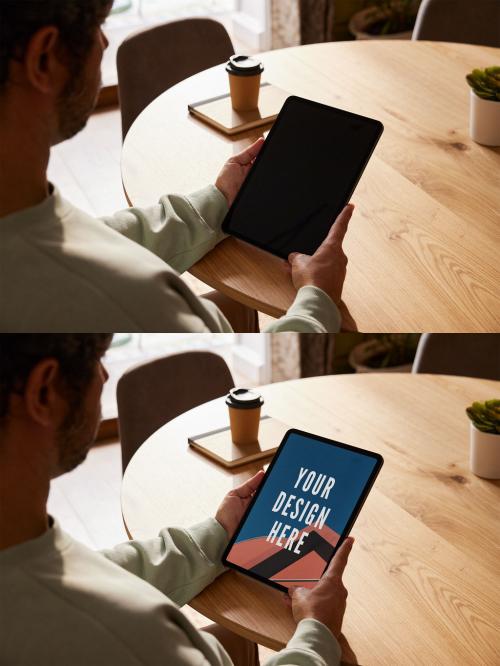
128, 16
172, 8
247, 355
245, 20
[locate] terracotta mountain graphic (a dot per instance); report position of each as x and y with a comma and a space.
283, 559
286, 567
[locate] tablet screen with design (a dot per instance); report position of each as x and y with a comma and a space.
302, 178
304, 508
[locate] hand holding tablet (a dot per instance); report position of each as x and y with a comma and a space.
327, 601
236, 169
236, 502
327, 267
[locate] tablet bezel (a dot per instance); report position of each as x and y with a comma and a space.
350, 522
226, 224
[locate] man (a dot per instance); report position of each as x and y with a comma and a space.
62, 604
62, 270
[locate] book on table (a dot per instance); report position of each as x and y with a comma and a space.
219, 446
219, 113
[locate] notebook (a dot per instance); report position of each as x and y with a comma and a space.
219, 113
219, 446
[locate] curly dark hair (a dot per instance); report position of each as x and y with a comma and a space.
75, 19
77, 354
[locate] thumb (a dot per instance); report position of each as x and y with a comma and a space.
293, 256
293, 591
339, 228
247, 156
339, 560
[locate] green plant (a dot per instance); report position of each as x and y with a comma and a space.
395, 349
485, 415
485, 82
392, 16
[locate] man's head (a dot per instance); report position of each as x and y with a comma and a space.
50, 389
51, 52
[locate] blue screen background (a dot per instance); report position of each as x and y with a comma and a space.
350, 469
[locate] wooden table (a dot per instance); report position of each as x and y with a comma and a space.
425, 239
423, 575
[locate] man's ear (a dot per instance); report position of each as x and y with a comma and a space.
43, 69
42, 400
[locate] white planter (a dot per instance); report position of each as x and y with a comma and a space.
484, 453
484, 120
361, 20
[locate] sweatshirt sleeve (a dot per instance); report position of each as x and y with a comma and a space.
313, 311
180, 229
312, 644
179, 562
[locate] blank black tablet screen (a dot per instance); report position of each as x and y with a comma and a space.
303, 177
307, 502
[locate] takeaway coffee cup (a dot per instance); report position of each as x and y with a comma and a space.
244, 82
244, 415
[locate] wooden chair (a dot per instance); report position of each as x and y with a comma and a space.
465, 21
465, 354
153, 393
153, 60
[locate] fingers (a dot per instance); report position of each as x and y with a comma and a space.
339, 228
339, 561
248, 155
250, 486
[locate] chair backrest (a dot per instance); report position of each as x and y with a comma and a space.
465, 21
153, 60
466, 354
153, 393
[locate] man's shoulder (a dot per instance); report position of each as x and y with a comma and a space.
72, 239
76, 605
76, 271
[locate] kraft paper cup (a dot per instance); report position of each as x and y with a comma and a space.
244, 82
244, 415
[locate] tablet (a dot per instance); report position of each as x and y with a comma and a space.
302, 178
304, 508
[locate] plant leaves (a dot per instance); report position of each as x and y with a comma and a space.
485, 82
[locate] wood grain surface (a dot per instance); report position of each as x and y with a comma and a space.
424, 241
423, 575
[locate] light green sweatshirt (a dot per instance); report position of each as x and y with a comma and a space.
64, 271
62, 604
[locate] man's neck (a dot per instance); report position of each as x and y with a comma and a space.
24, 157
19, 191
24, 490
17, 527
